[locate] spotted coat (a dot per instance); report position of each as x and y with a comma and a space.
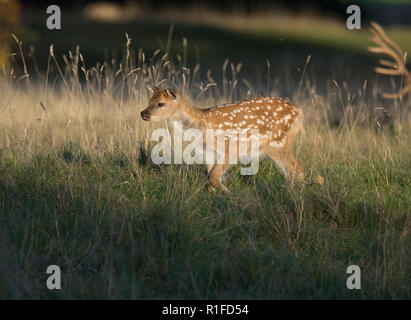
273, 117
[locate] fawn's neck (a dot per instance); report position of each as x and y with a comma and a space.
190, 115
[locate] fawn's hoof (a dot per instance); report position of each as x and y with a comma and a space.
224, 189
221, 187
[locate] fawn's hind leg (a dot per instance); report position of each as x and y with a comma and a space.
286, 161
284, 156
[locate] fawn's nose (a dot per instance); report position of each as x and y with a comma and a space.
144, 115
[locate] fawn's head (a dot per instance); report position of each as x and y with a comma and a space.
163, 104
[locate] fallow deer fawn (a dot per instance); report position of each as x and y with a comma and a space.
278, 123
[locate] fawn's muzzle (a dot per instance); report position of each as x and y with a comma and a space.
145, 115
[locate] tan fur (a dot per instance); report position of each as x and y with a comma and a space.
277, 120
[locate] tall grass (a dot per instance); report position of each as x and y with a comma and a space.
78, 189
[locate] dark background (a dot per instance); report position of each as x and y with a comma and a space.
333, 58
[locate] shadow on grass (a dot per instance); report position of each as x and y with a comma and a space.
146, 239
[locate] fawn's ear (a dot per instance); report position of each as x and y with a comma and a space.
171, 93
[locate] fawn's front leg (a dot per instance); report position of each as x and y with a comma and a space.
215, 175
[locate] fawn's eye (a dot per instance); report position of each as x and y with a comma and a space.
160, 104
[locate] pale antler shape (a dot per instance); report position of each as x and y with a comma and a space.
395, 68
